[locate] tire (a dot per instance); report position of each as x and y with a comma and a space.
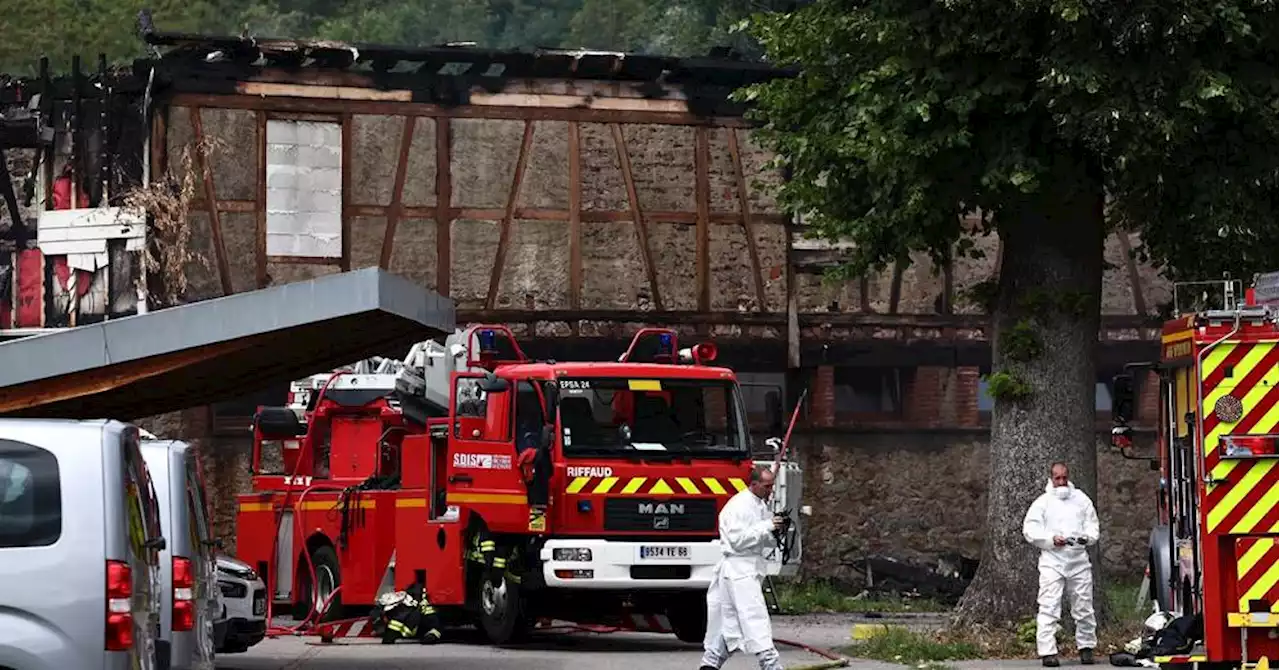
503, 613
329, 574
689, 620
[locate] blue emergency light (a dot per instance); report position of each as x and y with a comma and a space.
584, 506
664, 340
488, 341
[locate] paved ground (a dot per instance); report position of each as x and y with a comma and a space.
554, 651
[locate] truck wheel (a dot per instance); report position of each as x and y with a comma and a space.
328, 579
502, 611
689, 622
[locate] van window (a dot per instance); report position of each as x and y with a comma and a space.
140, 502
196, 508
30, 496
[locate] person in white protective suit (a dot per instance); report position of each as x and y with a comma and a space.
1062, 523
737, 617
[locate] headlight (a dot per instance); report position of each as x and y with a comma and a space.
232, 590
571, 554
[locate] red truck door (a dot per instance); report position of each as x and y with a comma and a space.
481, 473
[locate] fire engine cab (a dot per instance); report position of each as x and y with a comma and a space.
1213, 556
514, 490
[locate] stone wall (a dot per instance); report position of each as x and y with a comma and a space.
920, 495
912, 495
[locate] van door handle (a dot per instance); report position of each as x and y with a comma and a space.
460, 478
156, 543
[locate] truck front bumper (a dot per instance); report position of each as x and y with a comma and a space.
608, 564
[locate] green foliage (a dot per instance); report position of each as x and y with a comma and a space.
909, 114
901, 645
1021, 342
982, 294
1007, 386
814, 595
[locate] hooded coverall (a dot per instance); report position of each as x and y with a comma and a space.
737, 617
1069, 513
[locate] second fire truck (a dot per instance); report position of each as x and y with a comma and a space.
1214, 556
514, 490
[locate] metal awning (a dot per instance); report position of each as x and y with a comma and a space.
218, 349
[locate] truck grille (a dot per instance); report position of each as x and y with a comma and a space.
645, 515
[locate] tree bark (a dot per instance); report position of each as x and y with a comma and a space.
1051, 279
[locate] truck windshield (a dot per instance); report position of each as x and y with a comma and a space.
652, 418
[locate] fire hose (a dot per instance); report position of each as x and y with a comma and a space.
312, 610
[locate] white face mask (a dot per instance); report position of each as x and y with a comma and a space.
1062, 492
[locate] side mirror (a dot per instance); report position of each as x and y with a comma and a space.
551, 394
1121, 399
773, 411
493, 384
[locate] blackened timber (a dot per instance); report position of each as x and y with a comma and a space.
396, 211
642, 231
504, 234
575, 217
215, 220
776, 319
348, 140
1131, 268
19, 133
198, 93
444, 202
191, 49
744, 207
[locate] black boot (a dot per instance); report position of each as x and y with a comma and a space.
430, 637
1050, 661
1086, 656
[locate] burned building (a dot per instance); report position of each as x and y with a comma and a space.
575, 196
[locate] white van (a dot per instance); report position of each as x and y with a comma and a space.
80, 544
188, 595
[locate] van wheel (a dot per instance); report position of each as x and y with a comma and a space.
503, 615
328, 579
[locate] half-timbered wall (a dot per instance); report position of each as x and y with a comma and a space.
516, 220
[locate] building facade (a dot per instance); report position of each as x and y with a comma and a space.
576, 197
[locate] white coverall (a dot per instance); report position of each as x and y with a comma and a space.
737, 617
1067, 512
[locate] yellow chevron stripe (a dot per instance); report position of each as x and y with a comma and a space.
1250, 400
714, 485
1248, 480
636, 485
661, 487
1248, 523
1215, 358
688, 485
1255, 553
1260, 588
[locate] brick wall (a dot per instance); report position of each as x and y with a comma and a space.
932, 397
822, 392
1148, 401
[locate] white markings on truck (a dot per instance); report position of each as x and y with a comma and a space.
590, 471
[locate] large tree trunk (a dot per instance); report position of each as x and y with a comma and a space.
1050, 280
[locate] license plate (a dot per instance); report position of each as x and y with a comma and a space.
259, 605
670, 553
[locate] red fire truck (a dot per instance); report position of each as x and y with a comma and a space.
598, 484
1214, 552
